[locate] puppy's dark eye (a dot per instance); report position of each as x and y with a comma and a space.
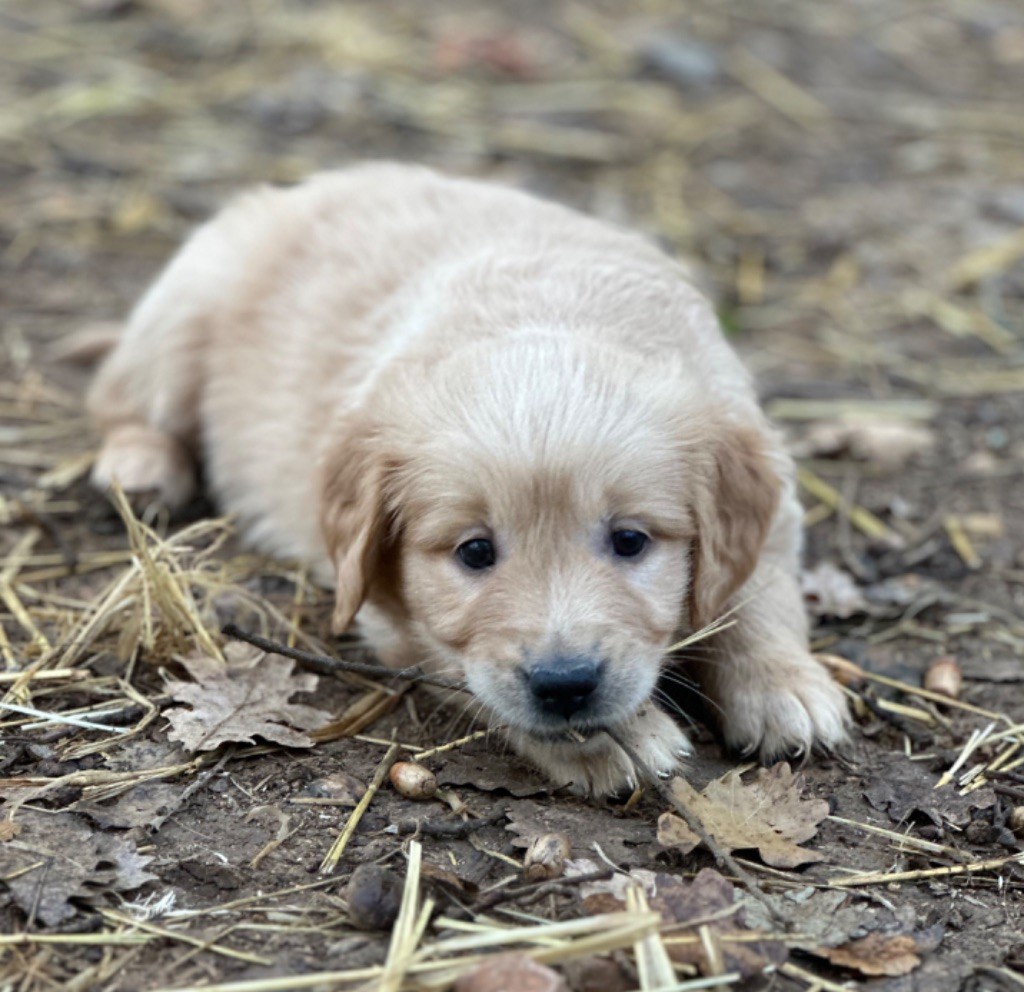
476, 554
629, 543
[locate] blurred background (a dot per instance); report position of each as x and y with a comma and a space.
851, 175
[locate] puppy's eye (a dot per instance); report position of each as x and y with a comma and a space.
629, 543
477, 554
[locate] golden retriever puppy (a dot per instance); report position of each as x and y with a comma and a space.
512, 437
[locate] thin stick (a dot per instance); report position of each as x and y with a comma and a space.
452, 745
881, 878
327, 665
330, 862
722, 856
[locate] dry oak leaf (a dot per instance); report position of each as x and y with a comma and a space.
876, 954
766, 813
240, 699
57, 861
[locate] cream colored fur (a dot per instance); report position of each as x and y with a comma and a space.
382, 363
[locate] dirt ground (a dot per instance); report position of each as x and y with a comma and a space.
850, 177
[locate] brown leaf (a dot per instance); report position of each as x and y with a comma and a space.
888, 444
8, 829
766, 813
902, 788
479, 765
57, 859
242, 699
584, 825
705, 901
510, 972
137, 808
831, 592
876, 954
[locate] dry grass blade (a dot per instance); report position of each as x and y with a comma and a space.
885, 878
333, 856
409, 926
652, 961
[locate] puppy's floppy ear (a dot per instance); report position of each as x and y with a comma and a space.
353, 517
735, 504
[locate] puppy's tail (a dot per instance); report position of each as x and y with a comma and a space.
89, 345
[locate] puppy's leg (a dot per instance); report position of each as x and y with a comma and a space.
599, 767
147, 394
773, 699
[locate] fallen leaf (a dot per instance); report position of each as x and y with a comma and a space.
619, 837
708, 900
888, 444
58, 858
240, 699
902, 788
832, 592
137, 808
876, 954
766, 813
479, 765
336, 789
512, 971
817, 917
8, 830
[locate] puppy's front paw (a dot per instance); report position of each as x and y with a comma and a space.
780, 710
598, 766
145, 461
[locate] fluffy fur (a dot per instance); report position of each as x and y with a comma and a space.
382, 363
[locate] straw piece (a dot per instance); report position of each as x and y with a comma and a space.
330, 862
865, 521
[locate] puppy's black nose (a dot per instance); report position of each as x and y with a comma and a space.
562, 686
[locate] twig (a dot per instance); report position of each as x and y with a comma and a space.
326, 665
330, 862
454, 830
526, 894
722, 856
200, 780
38, 895
477, 735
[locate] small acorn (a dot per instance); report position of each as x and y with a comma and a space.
944, 677
1016, 820
413, 781
373, 896
546, 857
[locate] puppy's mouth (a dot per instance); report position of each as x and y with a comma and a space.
568, 734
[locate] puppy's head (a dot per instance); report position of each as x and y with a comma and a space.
552, 517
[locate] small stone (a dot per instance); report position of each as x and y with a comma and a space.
373, 895
546, 857
511, 972
598, 974
1016, 820
413, 781
944, 677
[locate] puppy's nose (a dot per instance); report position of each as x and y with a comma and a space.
562, 686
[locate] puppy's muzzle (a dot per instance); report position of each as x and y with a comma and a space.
562, 687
